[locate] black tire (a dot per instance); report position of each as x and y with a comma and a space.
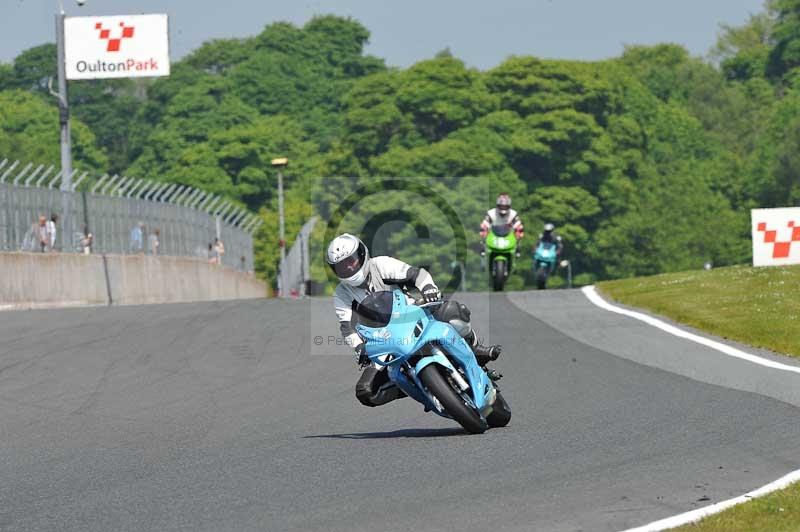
499, 279
431, 376
541, 278
501, 412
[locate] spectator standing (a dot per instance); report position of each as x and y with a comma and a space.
212, 255
219, 249
86, 241
137, 239
154, 242
51, 231
31, 240
41, 234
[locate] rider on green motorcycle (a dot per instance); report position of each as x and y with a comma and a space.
501, 216
359, 274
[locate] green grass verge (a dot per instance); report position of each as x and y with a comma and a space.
755, 306
776, 512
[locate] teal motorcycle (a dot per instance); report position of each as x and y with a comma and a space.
501, 246
544, 263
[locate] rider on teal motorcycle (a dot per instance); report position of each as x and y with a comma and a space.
360, 275
546, 254
549, 236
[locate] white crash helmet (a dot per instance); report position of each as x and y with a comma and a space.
348, 257
549, 228
503, 204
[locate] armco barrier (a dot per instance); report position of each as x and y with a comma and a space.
34, 280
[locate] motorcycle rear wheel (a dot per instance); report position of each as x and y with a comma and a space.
440, 387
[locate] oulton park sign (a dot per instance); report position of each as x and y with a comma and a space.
116, 47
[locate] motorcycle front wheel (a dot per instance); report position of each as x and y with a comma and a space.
541, 278
450, 397
499, 279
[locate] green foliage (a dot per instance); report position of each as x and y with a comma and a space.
785, 55
658, 67
29, 132
33, 68
441, 95
646, 163
529, 85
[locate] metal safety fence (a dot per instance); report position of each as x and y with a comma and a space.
123, 215
294, 272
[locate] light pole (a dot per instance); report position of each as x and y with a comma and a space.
281, 163
568, 265
66, 143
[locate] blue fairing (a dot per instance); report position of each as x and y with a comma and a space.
412, 340
545, 255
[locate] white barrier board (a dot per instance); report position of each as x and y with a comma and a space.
776, 236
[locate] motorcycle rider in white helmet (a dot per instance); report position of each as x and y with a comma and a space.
360, 275
502, 215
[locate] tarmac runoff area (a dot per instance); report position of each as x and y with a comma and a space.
229, 416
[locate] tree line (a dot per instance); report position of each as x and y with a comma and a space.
648, 162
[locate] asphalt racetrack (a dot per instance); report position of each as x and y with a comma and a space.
229, 417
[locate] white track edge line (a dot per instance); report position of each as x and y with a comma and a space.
591, 293
696, 515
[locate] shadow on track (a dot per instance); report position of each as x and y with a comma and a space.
403, 433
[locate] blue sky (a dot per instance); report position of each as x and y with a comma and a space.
482, 33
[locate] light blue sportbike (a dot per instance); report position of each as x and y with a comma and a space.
544, 263
429, 361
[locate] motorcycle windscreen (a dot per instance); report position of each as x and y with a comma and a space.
375, 310
546, 251
501, 230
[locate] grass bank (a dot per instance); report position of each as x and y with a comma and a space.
755, 306
776, 512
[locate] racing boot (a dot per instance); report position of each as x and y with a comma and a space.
484, 354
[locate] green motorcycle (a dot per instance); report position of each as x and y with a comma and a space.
501, 246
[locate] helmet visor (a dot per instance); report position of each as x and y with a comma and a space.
350, 265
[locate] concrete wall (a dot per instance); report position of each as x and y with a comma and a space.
34, 280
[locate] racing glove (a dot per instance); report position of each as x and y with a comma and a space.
430, 293
361, 355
